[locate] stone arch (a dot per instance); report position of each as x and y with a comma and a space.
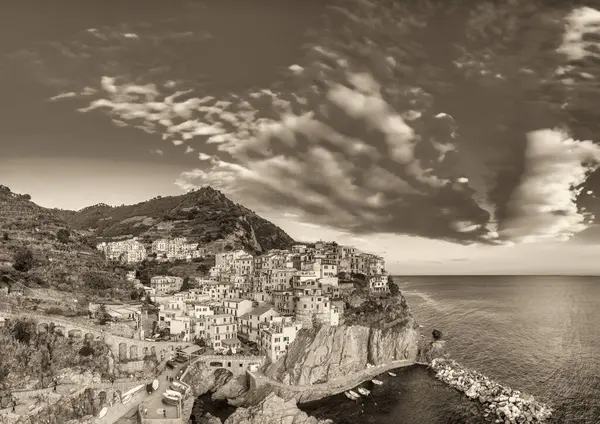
75, 334
133, 353
43, 327
145, 351
89, 336
122, 351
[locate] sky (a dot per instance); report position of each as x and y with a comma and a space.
454, 150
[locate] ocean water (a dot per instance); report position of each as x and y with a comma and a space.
540, 335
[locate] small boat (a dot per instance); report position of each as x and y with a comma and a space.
363, 391
176, 385
155, 384
349, 396
103, 412
170, 400
377, 382
353, 393
126, 399
392, 374
173, 393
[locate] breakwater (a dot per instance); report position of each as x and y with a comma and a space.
502, 404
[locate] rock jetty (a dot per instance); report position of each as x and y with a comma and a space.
502, 404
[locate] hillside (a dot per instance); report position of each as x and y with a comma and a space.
61, 259
204, 216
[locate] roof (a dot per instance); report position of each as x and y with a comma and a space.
235, 341
236, 300
190, 350
261, 310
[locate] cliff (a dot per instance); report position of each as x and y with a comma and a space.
376, 331
273, 409
204, 216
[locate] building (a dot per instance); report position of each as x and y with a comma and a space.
249, 323
237, 307
220, 328
177, 248
166, 284
378, 284
275, 337
129, 251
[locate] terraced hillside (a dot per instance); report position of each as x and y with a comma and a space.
39, 250
204, 216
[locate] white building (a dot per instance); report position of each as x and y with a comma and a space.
237, 307
378, 283
166, 284
219, 329
249, 323
129, 251
275, 337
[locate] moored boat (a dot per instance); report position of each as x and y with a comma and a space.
349, 396
170, 400
103, 412
377, 382
363, 391
392, 374
155, 384
353, 393
173, 393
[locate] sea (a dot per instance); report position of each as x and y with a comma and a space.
539, 335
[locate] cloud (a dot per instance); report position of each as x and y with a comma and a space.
157, 152
581, 37
368, 135
189, 150
544, 207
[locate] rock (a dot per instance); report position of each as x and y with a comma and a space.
273, 409
229, 388
200, 378
209, 419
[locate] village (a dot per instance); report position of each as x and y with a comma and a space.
246, 304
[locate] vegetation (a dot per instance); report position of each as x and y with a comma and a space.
35, 358
23, 260
202, 216
187, 284
63, 235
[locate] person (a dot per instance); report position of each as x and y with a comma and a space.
55, 384
164, 413
14, 405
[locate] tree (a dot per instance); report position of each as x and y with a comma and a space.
201, 342
23, 260
63, 235
102, 315
187, 284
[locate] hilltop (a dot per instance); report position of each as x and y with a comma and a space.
204, 216
61, 258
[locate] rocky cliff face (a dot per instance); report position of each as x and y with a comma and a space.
317, 356
273, 409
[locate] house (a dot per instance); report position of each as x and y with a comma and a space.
237, 307
166, 284
249, 322
219, 328
378, 284
275, 337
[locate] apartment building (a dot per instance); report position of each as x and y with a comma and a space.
378, 284
220, 328
237, 307
249, 323
275, 337
166, 284
128, 251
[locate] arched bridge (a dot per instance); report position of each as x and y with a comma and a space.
122, 348
237, 364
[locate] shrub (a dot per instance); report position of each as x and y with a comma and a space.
394, 290
63, 235
23, 260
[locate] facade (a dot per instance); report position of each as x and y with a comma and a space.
128, 251
220, 328
166, 284
275, 337
251, 321
237, 307
378, 284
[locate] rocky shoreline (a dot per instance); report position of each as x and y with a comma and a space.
502, 404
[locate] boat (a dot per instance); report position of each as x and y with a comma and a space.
173, 393
126, 399
349, 396
363, 391
392, 374
176, 385
133, 391
170, 400
377, 382
103, 412
353, 393
155, 384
